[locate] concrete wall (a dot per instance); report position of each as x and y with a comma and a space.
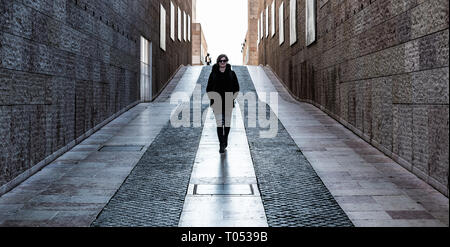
68, 65
381, 67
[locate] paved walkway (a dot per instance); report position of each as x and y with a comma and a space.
292, 192
371, 188
223, 191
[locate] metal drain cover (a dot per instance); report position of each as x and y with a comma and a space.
223, 189
121, 148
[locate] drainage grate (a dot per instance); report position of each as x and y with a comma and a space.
121, 148
223, 189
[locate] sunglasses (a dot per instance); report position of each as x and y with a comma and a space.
223, 61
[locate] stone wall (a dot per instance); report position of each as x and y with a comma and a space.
199, 45
250, 49
68, 65
381, 67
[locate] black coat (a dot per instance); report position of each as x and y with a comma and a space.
222, 82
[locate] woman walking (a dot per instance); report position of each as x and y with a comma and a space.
222, 90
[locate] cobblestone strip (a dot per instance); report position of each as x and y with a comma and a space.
293, 194
154, 192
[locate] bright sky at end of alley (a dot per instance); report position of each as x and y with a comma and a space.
224, 24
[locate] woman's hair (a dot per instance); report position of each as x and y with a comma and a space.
220, 57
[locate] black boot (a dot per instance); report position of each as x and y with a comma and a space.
220, 134
227, 132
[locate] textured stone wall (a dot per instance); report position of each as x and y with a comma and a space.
67, 65
381, 67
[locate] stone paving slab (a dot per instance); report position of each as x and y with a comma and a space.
351, 168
